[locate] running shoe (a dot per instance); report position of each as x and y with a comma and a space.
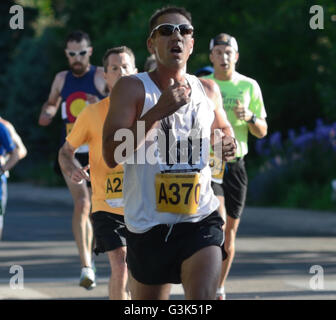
93, 266
93, 285
87, 278
220, 296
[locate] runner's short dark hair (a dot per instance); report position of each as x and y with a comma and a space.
117, 50
78, 36
166, 10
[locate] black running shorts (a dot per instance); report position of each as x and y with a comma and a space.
155, 257
233, 188
109, 231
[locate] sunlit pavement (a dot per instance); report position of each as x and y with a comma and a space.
280, 254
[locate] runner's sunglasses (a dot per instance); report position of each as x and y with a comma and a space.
167, 29
81, 53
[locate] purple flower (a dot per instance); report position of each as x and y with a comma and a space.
322, 132
319, 122
303, 130
291, 135
278, 152
304, 140
261, 147
275, 140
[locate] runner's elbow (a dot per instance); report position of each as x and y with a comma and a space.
262, 133
22, 153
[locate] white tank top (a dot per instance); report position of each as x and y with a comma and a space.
139, 179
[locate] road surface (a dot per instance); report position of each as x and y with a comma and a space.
276, 251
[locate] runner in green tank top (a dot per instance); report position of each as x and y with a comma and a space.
243, 103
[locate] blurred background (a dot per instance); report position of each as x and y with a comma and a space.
294, 166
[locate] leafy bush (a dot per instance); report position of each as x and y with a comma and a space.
293, 64
296, 171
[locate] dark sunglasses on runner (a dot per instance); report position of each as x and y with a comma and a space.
167, 29
75, 53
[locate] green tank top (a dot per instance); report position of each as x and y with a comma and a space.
248, 92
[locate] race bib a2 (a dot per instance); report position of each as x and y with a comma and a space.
113, 189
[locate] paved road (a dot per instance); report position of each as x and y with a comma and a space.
275, 251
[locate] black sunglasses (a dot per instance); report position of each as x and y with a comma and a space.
167, 29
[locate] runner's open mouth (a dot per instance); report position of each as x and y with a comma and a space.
176, 49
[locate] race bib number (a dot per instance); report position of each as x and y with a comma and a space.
68, 127
177, 192
217, 167
113, 189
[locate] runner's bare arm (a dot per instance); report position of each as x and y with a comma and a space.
51, 106
259, 128
126, 102
12, 160
100, 82
21, 149
220, 122
69, 164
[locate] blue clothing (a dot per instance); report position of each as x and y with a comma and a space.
85, 84
6, 142
74, 98
6, 145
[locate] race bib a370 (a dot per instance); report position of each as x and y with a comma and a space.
177, 192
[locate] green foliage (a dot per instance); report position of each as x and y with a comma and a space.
293, 64
28, 88
304, 182
8, 42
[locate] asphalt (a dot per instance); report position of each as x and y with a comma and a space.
277, 252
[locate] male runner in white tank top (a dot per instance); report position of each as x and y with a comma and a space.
174, 230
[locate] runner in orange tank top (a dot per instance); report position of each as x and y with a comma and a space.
107, 212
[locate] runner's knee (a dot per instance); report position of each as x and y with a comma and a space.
229, 248
117, 259
229, 244
82, 204
200, 273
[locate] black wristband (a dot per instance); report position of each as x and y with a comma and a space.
253, 119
